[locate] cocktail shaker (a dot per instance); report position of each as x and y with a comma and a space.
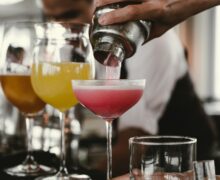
119, 41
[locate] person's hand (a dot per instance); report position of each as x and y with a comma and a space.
164, 14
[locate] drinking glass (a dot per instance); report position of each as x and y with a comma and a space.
108, 99
16, 84
162, 157
62, 52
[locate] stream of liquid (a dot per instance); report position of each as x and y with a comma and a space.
112, 67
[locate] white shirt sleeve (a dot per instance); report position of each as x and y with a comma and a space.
161, 62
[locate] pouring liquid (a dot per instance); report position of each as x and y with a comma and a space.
112, 67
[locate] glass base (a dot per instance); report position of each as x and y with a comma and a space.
66, 177
30, 170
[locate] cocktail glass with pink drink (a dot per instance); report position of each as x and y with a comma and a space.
108, 99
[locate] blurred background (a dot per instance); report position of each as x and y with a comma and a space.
199, 34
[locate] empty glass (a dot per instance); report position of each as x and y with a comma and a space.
162, 157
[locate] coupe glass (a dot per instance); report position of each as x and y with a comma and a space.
62, 53
15, 74
108, 99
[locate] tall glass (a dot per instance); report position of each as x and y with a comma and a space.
162, 157
62, 53
108, 99
16, 84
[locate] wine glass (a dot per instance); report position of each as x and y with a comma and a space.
62, 53
16, 84
108, 99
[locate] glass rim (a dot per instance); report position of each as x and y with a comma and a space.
40, 22
112, 80
108, 83
61, 30
188, 140
32, 22
63, 23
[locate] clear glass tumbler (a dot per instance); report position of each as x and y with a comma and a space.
162, 157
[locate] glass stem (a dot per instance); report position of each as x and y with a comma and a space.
29, 161
63, 169
29, 127
3, 134
109, 148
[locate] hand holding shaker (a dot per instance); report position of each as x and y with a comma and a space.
114, 43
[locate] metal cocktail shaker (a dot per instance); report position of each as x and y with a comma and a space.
117, 41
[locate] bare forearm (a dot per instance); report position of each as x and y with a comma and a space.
187, 8
213, 2
203, 4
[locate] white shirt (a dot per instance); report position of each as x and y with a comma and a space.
161, 62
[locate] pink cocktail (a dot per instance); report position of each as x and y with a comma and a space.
108, 99
108, 102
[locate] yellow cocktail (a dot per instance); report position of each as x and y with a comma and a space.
52, 82
62, 53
